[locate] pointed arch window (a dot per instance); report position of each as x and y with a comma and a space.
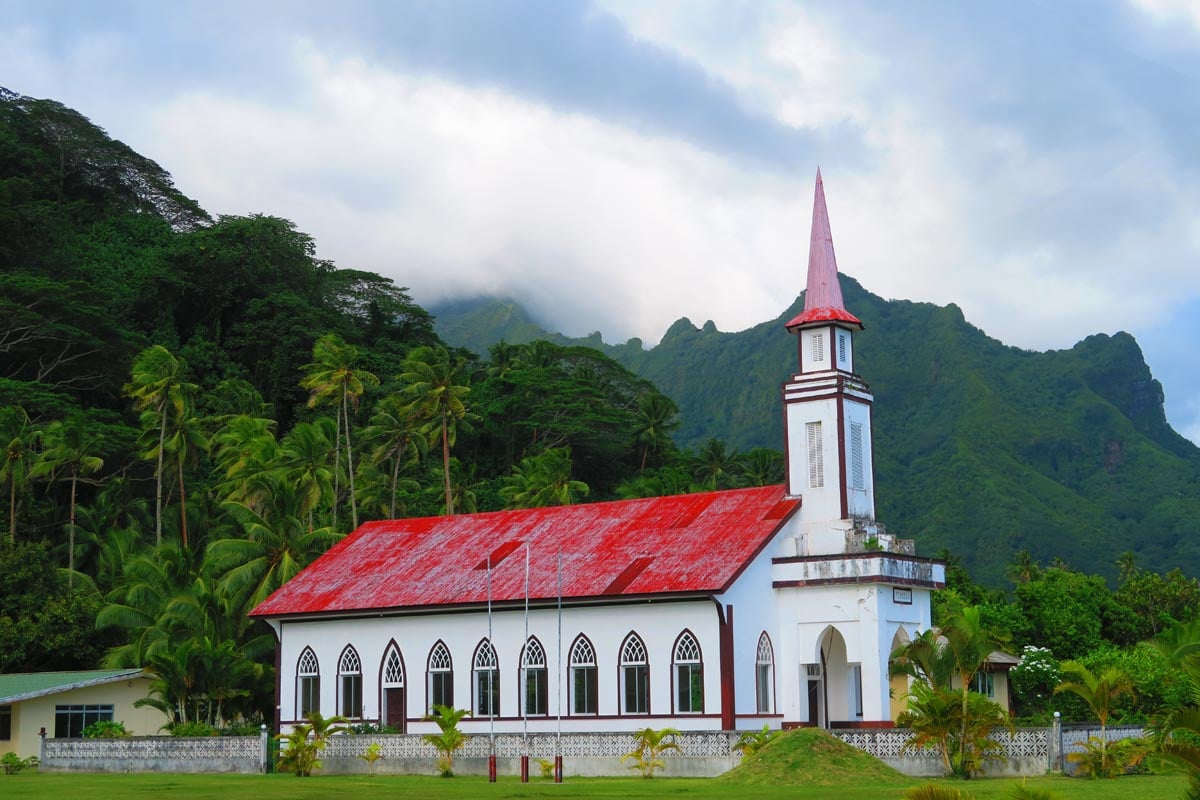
535, 687
764, 675
394, 697
585, 695
487, 680
308, 684
440, 672
689, 675
635, 676
350, 684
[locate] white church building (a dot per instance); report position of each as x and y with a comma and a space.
714, 611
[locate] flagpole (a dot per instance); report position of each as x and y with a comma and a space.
491, 677
558, 739
525, 679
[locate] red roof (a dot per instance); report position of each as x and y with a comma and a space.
822, 295
695, 543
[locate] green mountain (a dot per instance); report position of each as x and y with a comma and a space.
981, 448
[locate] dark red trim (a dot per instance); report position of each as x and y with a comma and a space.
279, 678
841, 450
869, 579
771, 647
522, 670
787, 447
675, 712
727, 666
833, 359
571, 684
474, 683
758, 716
403, 686
829, 396
871, 442
428, 661
337, 690
621, 712
861, 724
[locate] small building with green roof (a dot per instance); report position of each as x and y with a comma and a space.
64, 703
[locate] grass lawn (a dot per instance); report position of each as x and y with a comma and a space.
286, 787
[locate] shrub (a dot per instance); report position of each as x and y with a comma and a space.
13, 763
751, 742
651, 745
106, 729
932, 791
1122, 757
192, 729
372, 756
450, 738
546, 766
370, 728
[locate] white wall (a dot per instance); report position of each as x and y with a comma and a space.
860, 502
658, 623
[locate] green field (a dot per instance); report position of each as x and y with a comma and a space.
287, 787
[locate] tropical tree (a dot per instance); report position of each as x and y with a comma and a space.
437, 385
449, 738
159, 391
333, 377
305, 743
68, 450
714, 464
503, 358
396, 433
970, 643
655, 418
16, 461
1099, 691
762, 467
934, 715
183, 445
543, 480
305, 466
244, 453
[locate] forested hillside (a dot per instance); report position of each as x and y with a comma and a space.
193, 409
980, 448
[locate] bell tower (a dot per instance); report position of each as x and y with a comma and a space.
826, 405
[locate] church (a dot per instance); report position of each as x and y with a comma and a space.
714, 611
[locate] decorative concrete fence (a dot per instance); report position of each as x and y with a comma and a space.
1028, 751
156, 754
1075, 736
587, 754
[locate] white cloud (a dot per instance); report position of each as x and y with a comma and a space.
1170, 11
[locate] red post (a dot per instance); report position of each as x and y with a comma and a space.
558, 769
524, 769
492, 768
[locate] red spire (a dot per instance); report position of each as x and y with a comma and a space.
823, 296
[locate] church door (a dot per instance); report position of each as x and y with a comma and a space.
394, 704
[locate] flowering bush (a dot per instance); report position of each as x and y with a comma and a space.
1033, 681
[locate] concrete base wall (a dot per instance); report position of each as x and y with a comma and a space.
508, 768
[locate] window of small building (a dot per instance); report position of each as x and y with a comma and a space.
440, 677
585, 694
5, 723
487, 681
308, 684
985, 683
635, 676
842, 347
350, 680
70, 720
764, 675
818, 347
816, 455
689, 675
537, 696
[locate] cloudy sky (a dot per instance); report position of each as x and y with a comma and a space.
619, 164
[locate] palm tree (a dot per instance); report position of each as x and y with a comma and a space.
306, 468
398, 438
332, 376
14, 459
934, 715
159, 391
713, 465
762, 467
651, 745
1099, 691
437, 387
970, 644
68, 449
503, 358
450, 737
1024, 567
655, 417
183, 445
543, 480
245, 451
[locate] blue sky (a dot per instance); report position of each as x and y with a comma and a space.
618, 164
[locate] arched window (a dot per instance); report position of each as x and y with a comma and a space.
689, 675
440, 671
764, 675
487, 681
585, 695
635, 676
536, 691
393, 712
308, 684
350, 684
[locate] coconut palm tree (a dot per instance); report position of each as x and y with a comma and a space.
970, 643
158, 391
437, 385
16, 456
333, 377
543, 480
68, 450
396, 433
654, 419
306, 468
714, 465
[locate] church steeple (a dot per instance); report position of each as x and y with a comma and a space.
827, 407
823, 296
